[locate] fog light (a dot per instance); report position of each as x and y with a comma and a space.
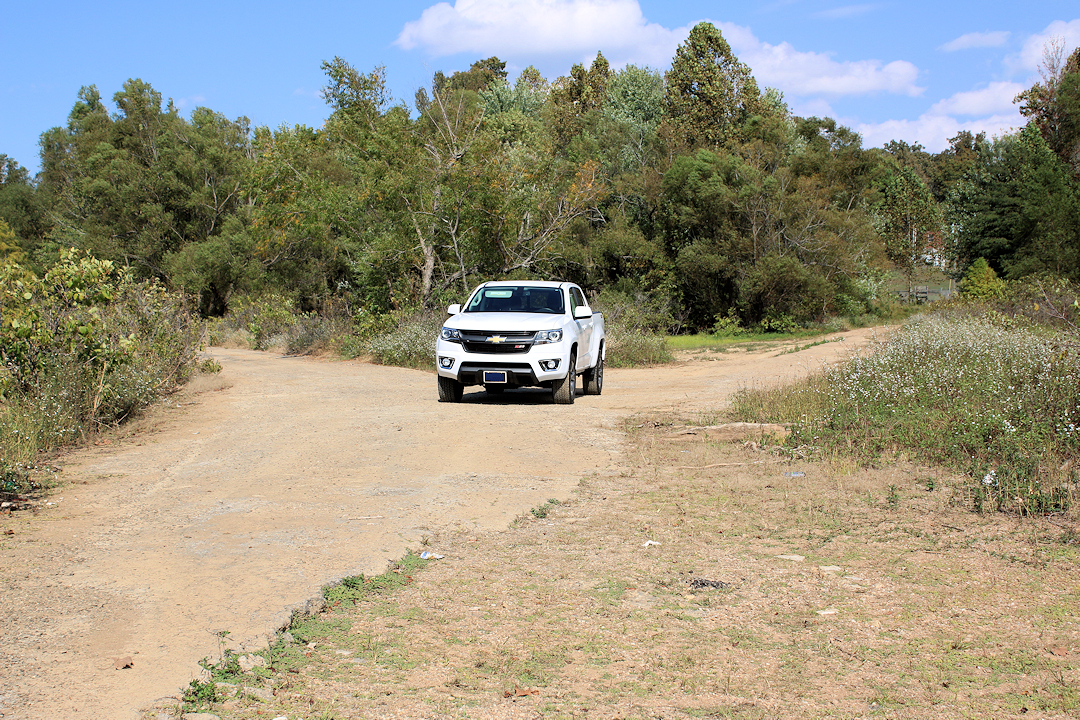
549, 365
446, 363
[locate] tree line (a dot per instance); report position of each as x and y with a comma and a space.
692, 191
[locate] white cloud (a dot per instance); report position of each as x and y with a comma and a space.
808, 73
1031, 56
996, 98
977, 40
522, 29
516, 28
811, 107
933, 131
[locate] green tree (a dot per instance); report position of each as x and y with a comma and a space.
23, 207
954, 162
1054, 103
635, 102
138, 186
573, 98
1019, 208
908, 217
981, 282
710, 92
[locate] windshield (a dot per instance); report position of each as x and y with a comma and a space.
517, 298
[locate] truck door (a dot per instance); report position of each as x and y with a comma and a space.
585, 329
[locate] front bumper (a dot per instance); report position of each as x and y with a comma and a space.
528, 369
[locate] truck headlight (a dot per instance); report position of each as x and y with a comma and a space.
450, 335
547, 336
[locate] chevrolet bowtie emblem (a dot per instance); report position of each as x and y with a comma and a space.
497, 339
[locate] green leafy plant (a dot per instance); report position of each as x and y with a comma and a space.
84, 346
354, 588
200, 695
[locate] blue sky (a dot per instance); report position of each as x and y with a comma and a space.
919, 70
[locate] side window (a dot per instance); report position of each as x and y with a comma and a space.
576, 299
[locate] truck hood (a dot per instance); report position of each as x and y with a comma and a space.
499, 321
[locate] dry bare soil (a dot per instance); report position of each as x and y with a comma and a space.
678, 575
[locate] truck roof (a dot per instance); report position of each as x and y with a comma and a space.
533, 283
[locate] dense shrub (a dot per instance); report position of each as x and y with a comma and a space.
781, 293
82, 347
634, 327
265, 318
410, 342
981, 282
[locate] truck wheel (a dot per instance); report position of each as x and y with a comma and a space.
450, 390
594, 377
563, 391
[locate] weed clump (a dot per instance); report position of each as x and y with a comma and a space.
996, 400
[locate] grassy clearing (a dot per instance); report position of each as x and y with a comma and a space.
738, 590
991, 399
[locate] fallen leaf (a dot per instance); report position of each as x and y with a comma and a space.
123, 663
1059, 651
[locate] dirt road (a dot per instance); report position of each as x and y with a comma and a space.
241, 498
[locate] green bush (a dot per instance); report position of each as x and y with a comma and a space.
780, 292
410, 342
634, 324
635, 310
728, 325
631, 348
981, 282
264, 317
82, 347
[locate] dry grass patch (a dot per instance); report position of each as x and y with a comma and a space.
742, 590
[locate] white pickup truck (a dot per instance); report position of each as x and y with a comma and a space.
519, 334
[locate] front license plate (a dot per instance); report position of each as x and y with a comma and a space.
494, 376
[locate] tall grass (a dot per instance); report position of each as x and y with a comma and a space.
999, 402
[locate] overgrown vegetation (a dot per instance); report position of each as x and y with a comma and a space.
82, 347
990, 388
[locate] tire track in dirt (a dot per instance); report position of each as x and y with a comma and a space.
282, 475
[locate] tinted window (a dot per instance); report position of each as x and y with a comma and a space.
576, 299
517, 298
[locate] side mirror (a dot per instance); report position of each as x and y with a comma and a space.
453, 309
581, 312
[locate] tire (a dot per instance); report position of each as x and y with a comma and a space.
563, 391
594, 376
450, 390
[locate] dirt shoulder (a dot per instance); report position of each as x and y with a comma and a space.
711, 579
232, 505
